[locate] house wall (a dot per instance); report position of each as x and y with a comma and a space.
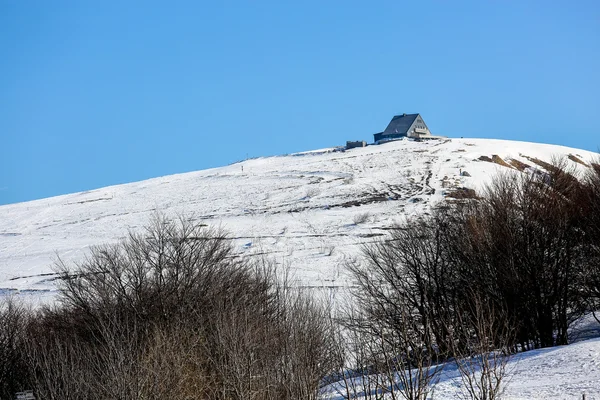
381, 136
419, 123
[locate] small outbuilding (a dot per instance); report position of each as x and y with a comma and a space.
405, 125
351, 144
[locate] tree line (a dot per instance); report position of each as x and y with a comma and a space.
479, 279
167, 313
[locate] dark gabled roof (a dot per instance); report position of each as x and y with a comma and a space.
400, 124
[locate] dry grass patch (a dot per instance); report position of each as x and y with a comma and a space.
498, 160
537, 161
577, 160
521, 166
462, 193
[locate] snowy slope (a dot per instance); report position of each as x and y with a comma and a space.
557, 373
309, 211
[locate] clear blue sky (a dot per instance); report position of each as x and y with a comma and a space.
100, 93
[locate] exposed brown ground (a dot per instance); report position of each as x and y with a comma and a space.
462, 193
521, 166
576, 159
537, 161
498, 160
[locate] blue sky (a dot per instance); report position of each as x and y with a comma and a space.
100, 93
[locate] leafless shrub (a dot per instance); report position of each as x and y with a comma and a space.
327, 249
312, 192
359, 377
380, 362
361, 218
171, 313
13, 320
59, 364
481, 347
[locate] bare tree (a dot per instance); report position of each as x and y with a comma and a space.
482, 347
173, 312
378, 362
591, 218
396, 309
410, 275
523, 246
521, 255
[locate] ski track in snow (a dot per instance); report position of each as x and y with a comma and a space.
300, 210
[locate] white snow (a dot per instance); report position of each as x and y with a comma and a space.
299, 208
557, 373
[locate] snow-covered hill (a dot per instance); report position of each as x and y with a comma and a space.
309, 210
